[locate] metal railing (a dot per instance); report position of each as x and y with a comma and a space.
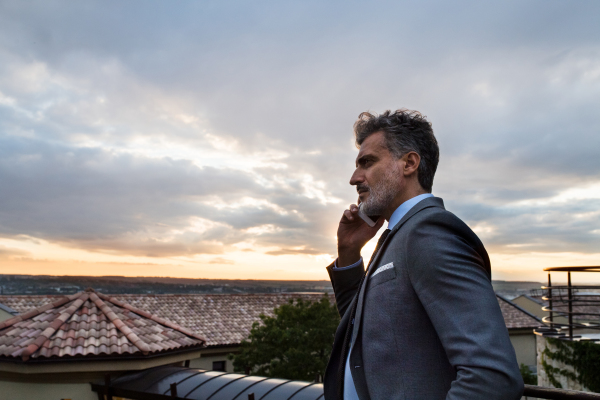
540, 392
567, 309
561, 302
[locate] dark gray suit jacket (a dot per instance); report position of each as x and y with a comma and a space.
430, 327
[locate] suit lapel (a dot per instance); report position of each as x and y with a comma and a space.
361, 294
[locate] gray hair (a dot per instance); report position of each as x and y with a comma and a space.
404, 131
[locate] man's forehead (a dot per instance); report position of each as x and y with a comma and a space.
375, 143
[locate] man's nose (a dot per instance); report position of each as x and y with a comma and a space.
356, 178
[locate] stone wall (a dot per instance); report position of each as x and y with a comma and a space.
541, 344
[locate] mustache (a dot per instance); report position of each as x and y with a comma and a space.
362, 187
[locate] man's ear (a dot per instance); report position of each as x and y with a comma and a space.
411, 163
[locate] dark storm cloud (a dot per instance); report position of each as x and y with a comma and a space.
512, 89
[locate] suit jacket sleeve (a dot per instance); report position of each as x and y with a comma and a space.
345, 285
449, 272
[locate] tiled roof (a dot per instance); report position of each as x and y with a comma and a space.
225, 319
90, 324
515, 317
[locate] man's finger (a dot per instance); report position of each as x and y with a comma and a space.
348, 215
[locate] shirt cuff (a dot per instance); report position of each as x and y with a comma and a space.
356, 264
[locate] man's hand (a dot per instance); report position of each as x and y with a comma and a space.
353, 233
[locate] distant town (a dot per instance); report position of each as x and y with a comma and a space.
47, 284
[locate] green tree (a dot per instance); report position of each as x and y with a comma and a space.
529, 378
293, 344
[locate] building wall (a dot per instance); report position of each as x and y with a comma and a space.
525, 347
543, 378
46, 391
5, 315
206, 362
209, 356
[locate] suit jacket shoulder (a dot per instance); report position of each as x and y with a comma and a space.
432, 229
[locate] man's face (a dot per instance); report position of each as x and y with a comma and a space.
377, 177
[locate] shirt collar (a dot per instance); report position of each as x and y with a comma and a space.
404, 208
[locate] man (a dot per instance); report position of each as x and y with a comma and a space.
423, 322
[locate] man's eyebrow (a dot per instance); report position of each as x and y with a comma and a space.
363, 158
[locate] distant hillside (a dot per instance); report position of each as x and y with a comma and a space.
47, 284
513, 289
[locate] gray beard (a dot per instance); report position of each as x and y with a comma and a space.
383, 194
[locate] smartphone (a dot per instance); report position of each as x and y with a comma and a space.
366, 218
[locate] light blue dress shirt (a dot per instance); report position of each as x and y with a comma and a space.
349, 388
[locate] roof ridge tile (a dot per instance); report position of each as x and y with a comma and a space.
153, 317
56, 323
120, 325
38, 310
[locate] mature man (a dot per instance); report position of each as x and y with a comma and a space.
423, 322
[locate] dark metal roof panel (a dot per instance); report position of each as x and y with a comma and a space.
286, 390
211, 385
236, 386
245, 386
261, 388
211, 388
312, 391
163, 386
188, 386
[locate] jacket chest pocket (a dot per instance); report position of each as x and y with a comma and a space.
383, 274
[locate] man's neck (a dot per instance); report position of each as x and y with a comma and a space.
402, 197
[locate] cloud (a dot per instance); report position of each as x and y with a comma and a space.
122, 204
287, 251
12, 252
168, 131
220, 260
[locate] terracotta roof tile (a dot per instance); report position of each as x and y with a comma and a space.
515, 317
60, 328
221, 319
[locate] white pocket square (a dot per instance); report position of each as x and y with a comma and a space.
383, 268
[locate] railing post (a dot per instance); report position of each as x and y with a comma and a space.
108, 392
550, 301
570, 293
250, 396
174, 389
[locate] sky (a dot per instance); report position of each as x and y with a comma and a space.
213, 139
